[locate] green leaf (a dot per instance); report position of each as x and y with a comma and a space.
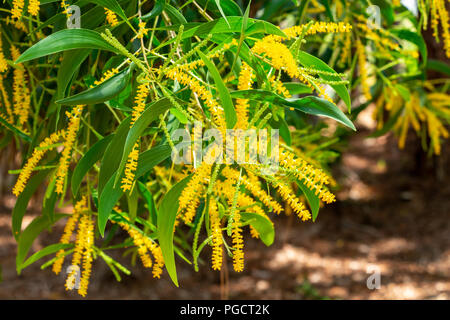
310, 105
225, 98
312, 199
221, 11
220, 26
23, 199
297, 88
148, 116
262, 225
415, 38
326, 4
72, 60
111, 194
93, 155
111, 158
29, 234
166, 221
310, 61
156, 11
438, 66
386, 10
18, 132
53, 248
66, 39
103, 92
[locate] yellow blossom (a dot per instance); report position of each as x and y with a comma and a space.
111, 17
33, 7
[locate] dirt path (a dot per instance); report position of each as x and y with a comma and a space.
388, 216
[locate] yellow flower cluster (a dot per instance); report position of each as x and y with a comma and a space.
203, 93
142, 30
130, 168
83, 249
108, 75
278, 86
67, 234
69, 141
436, 130
18, 24
111, 17
3, 63
439, 12
139, 102
133, 157
361, 52
32, 162
238, 243
288, 195
33, 7
191, 194
282, 59
314, 178
21, 93
244, 83
254, 188
16, 11
216, 232
6, 102
144, 245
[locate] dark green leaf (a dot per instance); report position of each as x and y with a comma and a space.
262, 225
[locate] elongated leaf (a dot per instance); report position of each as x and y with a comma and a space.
148, 116
225, 98
53, 248
312, 199
16, 131
166, 221
311, 105
297, 88
415, 38
111, 194
66, 39
29, 234
262, 225
438, 66
220, 26
23, 199
70, 64
156, 11
310, 61
111, 158
93, 155
103, 92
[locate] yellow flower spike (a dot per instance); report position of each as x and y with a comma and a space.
279, 87
70, 137
21, 93
216, 231
142, 30
79, 207
6, 102
3, 63
157, 255
17, 9
444, 17
111, 17
130, 168
238, 243
139, 242
108, 75
254, 189
139, 102
33, 7
87, 256
362, 59
312, 177
32, 162
244, 83
288, 195
204, 94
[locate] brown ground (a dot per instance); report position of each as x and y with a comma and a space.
392, 213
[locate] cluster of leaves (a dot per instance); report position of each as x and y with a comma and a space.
97, 106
